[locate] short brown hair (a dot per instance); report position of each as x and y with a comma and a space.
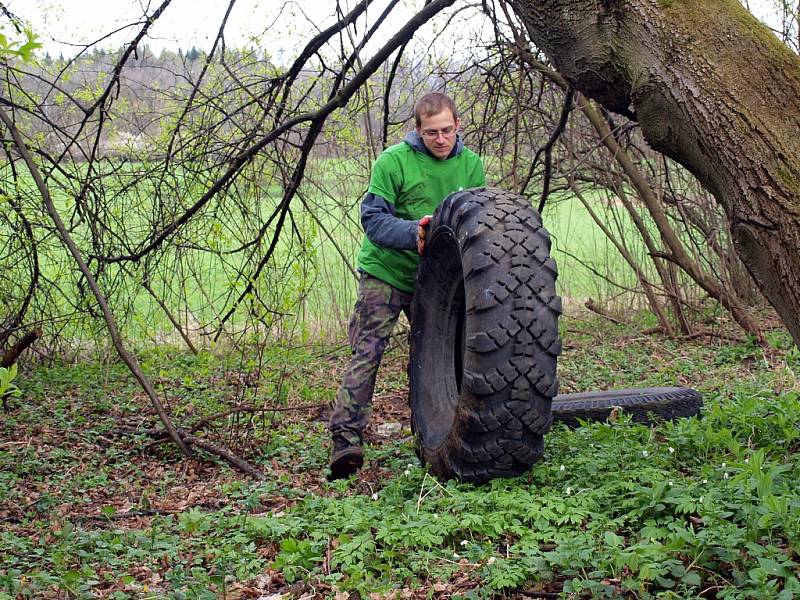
433, 103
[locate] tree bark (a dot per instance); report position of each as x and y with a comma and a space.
711, 88
12, 354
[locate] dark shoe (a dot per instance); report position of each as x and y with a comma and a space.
346, 458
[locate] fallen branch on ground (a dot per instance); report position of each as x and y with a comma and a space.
717, 334
210, 447
599, 311
225, 454
190, 439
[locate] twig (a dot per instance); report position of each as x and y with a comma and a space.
170, 316
241, 408
192, 440
328, 234
718, 334
548, 148
224, 454
23, 510
599, 311
247, 408
15, 520
154, 432
11, 17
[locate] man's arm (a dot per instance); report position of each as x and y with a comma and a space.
383, 227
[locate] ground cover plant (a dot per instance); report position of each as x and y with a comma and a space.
706, 507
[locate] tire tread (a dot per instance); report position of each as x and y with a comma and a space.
512, 341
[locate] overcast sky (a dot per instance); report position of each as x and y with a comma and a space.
61, 24
188, 23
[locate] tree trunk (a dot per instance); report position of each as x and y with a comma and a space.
713, 89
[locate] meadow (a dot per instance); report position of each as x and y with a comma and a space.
308, 287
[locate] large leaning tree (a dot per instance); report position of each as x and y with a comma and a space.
712, 88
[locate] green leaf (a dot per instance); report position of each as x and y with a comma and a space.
72, 577
692, 579
612, 540
26, 50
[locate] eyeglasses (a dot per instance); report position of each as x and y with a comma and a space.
432, 134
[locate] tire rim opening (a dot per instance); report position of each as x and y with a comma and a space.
443, 318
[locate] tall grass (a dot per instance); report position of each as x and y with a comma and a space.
307, 288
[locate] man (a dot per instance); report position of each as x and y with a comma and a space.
409, 180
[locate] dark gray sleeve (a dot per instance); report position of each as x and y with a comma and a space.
383, 227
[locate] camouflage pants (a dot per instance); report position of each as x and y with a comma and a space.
376, 312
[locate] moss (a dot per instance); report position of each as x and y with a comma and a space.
789, 180
720, 12
729, 40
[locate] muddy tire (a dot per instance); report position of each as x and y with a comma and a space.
484, 341
645, 405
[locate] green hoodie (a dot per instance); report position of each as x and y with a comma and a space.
414, 183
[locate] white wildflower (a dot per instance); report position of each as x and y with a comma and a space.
670, 484
375, 496
406, 472
725, 475
747, 461
705, 480
569, 491
671, 450
724, 465
645, 453
562, 468
464, 543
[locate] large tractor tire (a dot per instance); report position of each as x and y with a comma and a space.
484, 338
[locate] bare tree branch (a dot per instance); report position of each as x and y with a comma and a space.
128, 358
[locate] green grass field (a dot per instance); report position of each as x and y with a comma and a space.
309, 282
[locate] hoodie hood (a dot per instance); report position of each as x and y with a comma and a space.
414, 140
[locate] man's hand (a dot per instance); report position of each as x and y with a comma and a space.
421, 232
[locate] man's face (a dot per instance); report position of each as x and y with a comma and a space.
438, 133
